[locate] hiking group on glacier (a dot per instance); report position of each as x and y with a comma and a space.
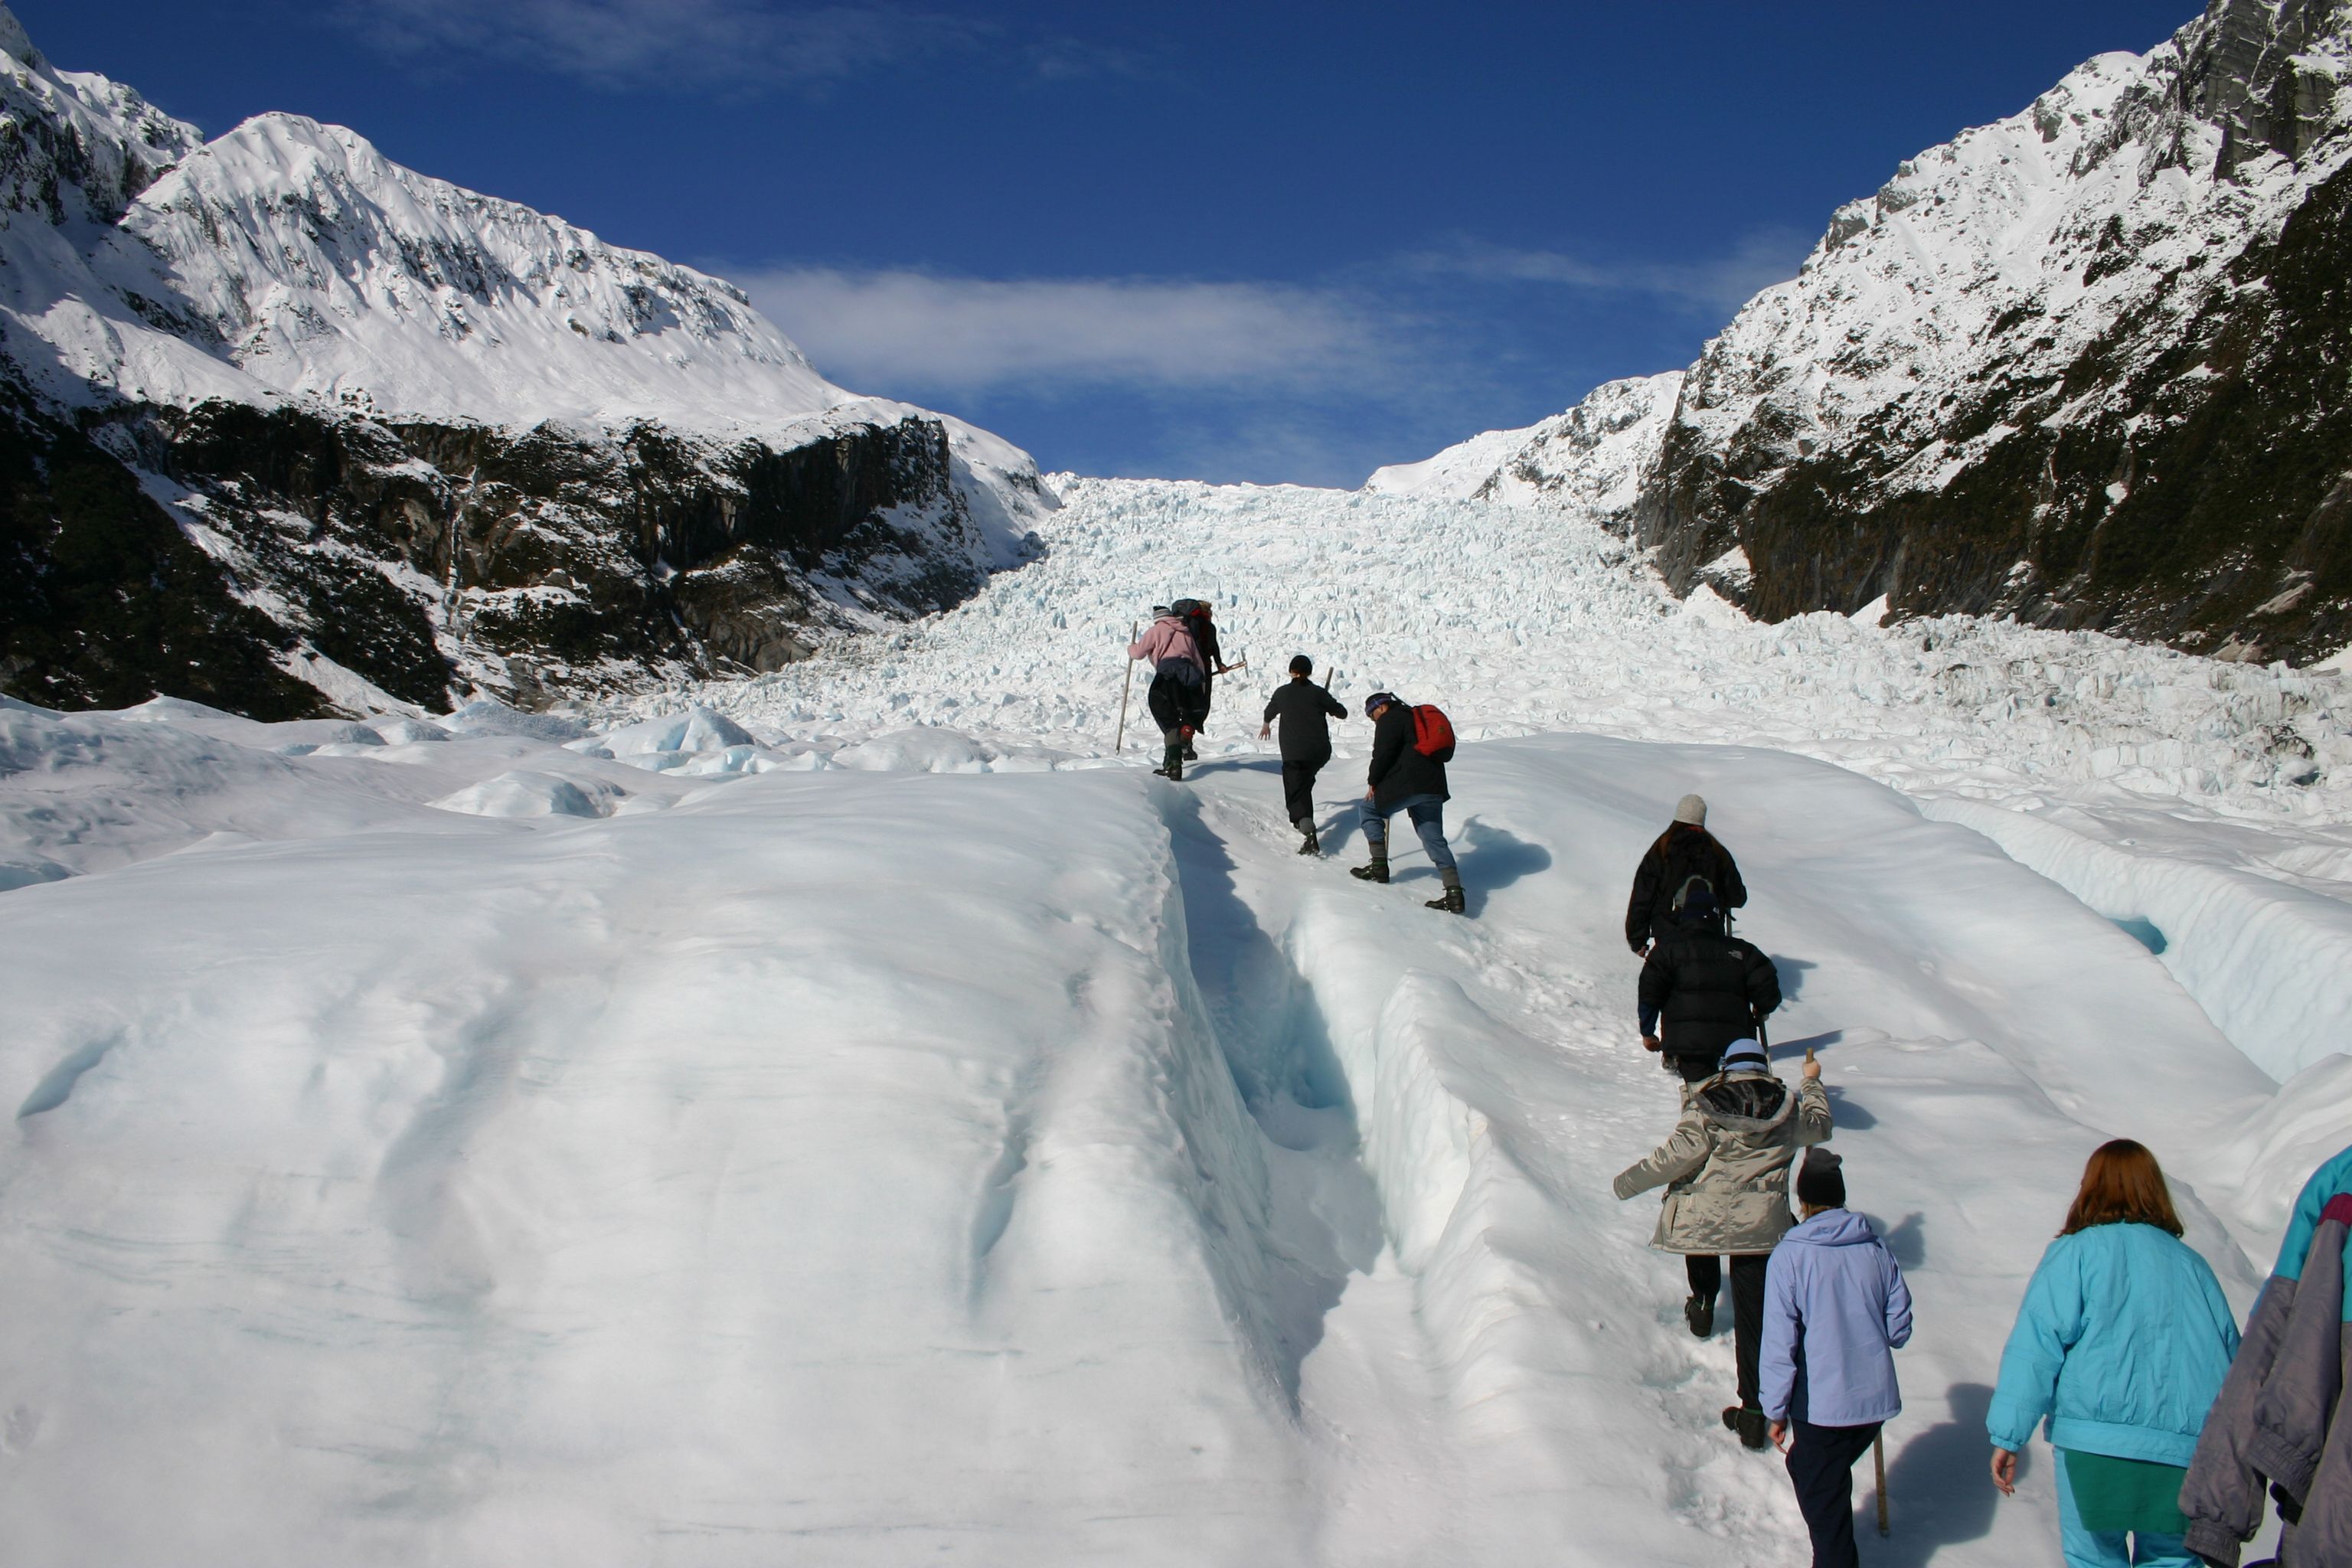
2170, 1429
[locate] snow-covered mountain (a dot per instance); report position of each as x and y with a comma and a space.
1591, 459
2082, 365
426, 439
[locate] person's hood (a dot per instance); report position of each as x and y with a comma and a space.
1746, 1101
1833, 1227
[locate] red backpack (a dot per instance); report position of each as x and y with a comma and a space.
1433, 732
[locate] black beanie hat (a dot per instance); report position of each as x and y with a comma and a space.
1821, 1184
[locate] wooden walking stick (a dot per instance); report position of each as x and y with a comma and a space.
1878, 1453
1125, 686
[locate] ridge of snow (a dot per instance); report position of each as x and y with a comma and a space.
324, 269
2121, 193
1591, 459
291, 260
2116, 193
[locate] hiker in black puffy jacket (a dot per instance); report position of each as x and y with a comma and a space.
1702, 990
1686, 850
1304, 709
1404, 778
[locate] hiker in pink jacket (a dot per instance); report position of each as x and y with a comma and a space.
1180, 676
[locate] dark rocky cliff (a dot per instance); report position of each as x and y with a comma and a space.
433, 562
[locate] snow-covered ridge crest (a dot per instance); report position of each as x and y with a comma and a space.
1985, 389
1591, 459
291, 259
325, 268
438, 441
81, 146
2073, 365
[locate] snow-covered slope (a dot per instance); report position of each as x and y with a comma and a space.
2078, 364
877, 1117
639, 418
1590, 460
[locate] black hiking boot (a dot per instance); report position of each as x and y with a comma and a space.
1309, 843
1189, 754
1747, 1420
1378, 871
1171, 764
1699, 1313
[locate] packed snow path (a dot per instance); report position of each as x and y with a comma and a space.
1049, 1167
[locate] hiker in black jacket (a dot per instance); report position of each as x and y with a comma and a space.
1405, 778
1702, 990
1304, 709
1684, 850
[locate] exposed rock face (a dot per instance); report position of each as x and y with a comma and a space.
430, 558
104, 601
423, 442
2083, 365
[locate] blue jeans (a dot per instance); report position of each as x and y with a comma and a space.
1427, 813
2112, 1548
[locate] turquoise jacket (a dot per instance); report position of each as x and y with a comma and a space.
2122, 1341
2334, 1177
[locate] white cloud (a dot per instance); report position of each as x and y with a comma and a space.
1721, 283
739, 42
911, 329
743, 45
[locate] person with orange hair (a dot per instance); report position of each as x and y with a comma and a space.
2121, 1344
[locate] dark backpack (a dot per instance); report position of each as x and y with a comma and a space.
1683, 893
1433, 732
1695, 882
1187, 606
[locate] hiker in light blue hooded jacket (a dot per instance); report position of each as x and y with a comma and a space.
1836, 1310
2122, 1342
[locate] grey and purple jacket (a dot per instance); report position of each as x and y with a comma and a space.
2276, 1421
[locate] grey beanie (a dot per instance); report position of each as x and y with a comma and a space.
1690, 809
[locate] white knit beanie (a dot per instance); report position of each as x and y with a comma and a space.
1690, 809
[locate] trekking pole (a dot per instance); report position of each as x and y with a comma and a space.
1878, 1453
1125, 686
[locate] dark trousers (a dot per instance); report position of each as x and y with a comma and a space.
1746, 1306
1298, 790
1173, 705
1820, 1464
1694, 1069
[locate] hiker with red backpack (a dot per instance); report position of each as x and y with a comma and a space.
1179, 681
1411, 746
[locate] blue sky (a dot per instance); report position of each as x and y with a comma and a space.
1273, 242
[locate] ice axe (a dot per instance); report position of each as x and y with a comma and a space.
1126, 685
1878, 1438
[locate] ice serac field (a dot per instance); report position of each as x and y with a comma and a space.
857, 1117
